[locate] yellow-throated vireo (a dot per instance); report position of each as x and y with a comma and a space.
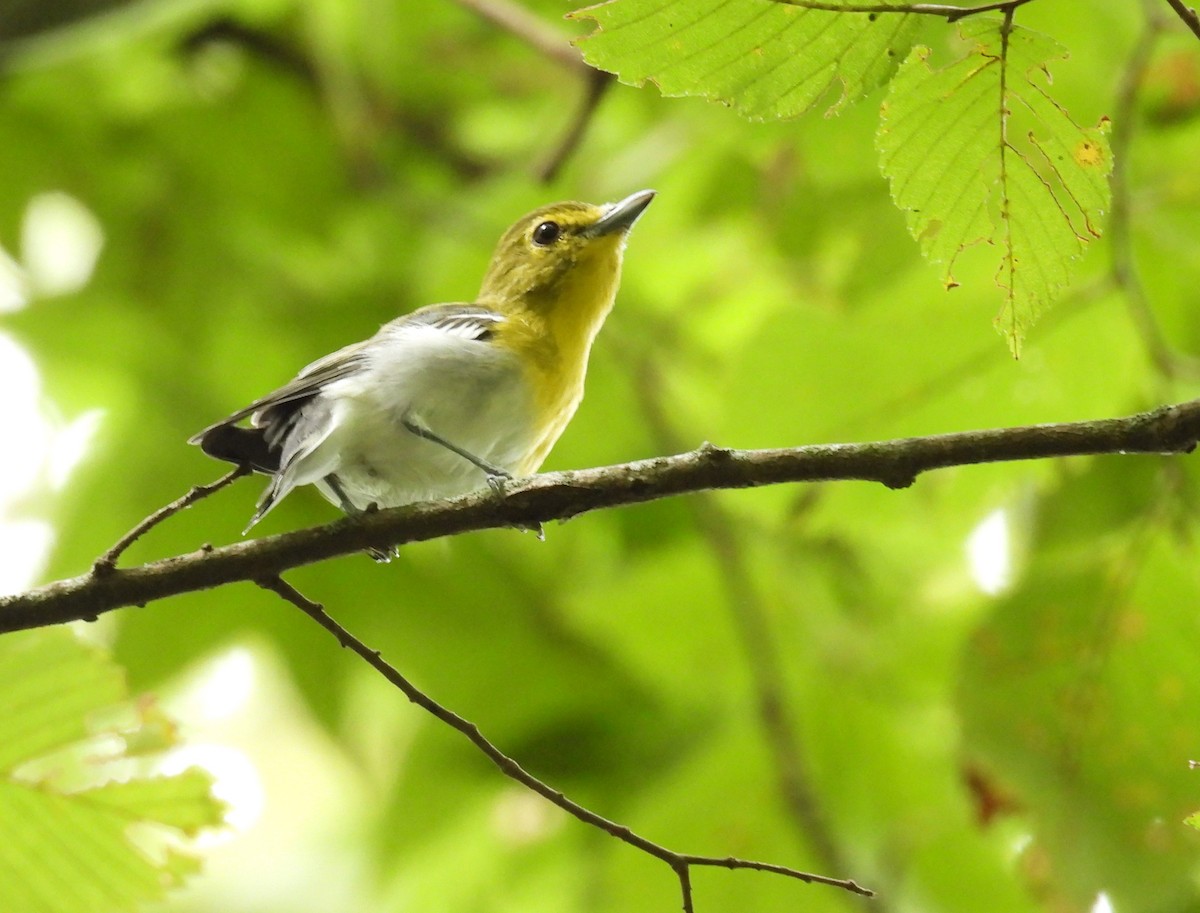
452, 395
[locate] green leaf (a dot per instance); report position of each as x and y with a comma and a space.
50, 686
979, 151
183, 802
768, 60
86, 849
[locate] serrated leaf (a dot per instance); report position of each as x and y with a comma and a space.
768, 60
79, 850
50, 687
979, 151
183, 802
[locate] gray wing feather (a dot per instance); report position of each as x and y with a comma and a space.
306, 428
472, 321
282, 417
307, 384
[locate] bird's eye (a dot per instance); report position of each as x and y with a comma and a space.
546, 234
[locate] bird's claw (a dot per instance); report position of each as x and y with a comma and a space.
497, 481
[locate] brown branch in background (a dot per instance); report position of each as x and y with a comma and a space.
751, 616
427, 132
550, 42
1122, 265
945, 11
596, 85
263, 45
107, 562
680, 863
1187, 14
532, 29
561, 495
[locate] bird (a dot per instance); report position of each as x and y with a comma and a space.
450, 397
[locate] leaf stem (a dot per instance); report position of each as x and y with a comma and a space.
1010, 260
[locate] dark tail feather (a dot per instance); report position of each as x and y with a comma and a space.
243, 446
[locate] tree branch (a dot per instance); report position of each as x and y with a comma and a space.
1123, 270
949, 13
596, 85
1187, 14
530, 28
554, 45
680, 863
560, 495
107, 562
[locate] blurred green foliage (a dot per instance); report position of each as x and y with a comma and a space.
275, 178
66, 821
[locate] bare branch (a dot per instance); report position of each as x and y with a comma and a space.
596, 85
560, 495
1187, 14
107, 562
680, 863
1122, 265
538, 34
555, 45
949, 13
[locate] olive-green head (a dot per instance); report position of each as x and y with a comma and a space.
563, 254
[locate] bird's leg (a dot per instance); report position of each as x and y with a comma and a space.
496, 477
383, 556
335, 485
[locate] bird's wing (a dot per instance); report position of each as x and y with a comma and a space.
275, 415
469, 321
307, 384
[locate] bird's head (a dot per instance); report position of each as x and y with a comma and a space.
563, 255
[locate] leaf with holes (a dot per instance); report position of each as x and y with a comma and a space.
979, 151
83, 826
768, 60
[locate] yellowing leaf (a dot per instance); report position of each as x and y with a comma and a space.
979, 151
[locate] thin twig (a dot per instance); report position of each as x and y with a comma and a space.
949, 13
107, 562
596, 85
680, 863
538, 34
550, 42
560, 495
1122, 265
1187, 14
384, 111
257, 43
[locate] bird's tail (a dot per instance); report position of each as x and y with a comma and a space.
244, 446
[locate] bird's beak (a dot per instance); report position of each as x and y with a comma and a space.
621, 216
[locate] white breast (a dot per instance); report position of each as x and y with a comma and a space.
466, 391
